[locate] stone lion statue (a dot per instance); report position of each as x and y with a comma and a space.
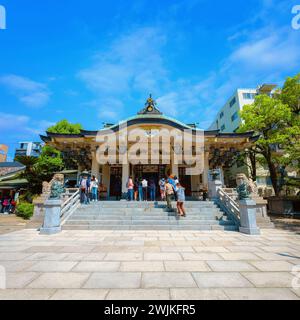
48, 187
243, 186
57, 186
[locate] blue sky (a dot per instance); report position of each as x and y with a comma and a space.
97, 61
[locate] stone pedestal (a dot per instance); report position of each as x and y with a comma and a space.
214, 186
51, 223
248, 217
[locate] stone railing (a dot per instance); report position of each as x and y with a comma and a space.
229, 205
70, 204
243, 212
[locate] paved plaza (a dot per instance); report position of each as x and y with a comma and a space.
150, 265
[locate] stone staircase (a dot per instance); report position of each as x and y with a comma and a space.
123, 215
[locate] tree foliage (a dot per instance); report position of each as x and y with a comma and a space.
41, 169
65, 127
275, 120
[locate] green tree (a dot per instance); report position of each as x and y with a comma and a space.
65, 127
40, 169
290, 93
49, 162
269, 118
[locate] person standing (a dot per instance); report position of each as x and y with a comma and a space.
94, 188
169, 194
162, 190
6, 204
130, 191
152, 189
136, 189
145, 189
180, 199
172, 181
140, 190
84, 185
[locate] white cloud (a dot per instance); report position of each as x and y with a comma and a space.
132, 61
12, 122
30, 93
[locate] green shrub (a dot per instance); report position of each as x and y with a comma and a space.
25, 210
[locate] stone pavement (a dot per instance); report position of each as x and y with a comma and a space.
150, 265
10, 223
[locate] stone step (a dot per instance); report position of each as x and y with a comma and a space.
147, 205
152, 227
144, 213
147, 216
148, 222
141, 217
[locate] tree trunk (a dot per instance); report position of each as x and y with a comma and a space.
273, 172
252, 158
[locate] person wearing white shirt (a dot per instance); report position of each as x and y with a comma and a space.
145, 189
94, 188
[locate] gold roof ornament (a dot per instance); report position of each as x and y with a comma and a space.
150, 107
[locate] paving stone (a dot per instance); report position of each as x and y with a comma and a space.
243, 249
177, 249
279, 256
167, 280
96, 266
47, 256
239, 256
232, 266
59, 280
162, 256
260, 294
76, 249
210, 249
52, 249
270, 279
26, 294
197, 294
94, 256
19, 279
138, 294
296, 291
124, 256
201, 256
75, 256
79, 294
189, 266
221, 280
114, 280
273, 265
142, 266
16, 266
13, 256
278, 249
52, 266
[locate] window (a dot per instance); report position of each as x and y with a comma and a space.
232, 102
234, 116
223, 127
248, 96
221, 115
